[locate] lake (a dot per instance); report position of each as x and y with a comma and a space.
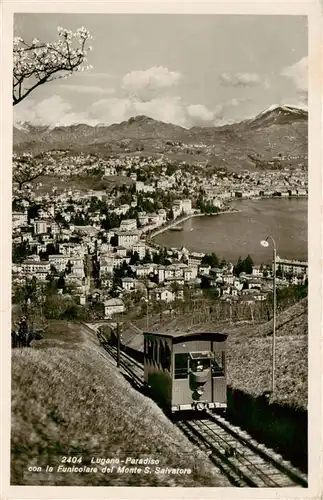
236, 235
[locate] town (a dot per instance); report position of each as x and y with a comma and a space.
96, 246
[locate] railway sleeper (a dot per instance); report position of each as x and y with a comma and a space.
260, 449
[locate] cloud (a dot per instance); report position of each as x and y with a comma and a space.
115, 110
51, 112
55, 111
88, 89
200, 112
240, 79
294, 101
152, 79
93, 74
298, 73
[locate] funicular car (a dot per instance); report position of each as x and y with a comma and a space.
186, 370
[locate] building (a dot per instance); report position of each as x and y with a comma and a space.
145, 188
128, 225
154, 218
143, 271
127, 238
121, 251
143, 218
43, 213
162, 214
107, 264
109, 170
140, 248
190, 273
19, 219
256, 271
58, 261
113, 306
40, 226
128, 284
186, 206
204, 269
291, 266
164, 294
37, 268
77, 268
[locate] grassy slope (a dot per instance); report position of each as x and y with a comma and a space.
249, 360
67, 398
82, 183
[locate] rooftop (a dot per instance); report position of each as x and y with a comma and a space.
190, 335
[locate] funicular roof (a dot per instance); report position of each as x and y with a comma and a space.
177, 335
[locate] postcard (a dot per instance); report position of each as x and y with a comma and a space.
161, 249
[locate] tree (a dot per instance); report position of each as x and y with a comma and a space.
223, 263
205, 282
114, 240
238, 268
56, 306
26, 169
147, 258
68, 267
61, 283
156, 258
170, 214
35, 63
279, 272
20, 252
210, 260
134, 259
248, 265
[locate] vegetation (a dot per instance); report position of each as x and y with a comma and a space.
210, 260
243, 266
206, 207
38, 62
249, 357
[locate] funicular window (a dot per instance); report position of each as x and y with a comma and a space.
200, 361
145, 347
165, 357
162, 354
181, 366
155, 350
218, 364
150, 349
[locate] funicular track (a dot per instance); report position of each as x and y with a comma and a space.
131, 367
243, 460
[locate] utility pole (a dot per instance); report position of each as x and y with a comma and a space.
265, 243
118, 344
274, 323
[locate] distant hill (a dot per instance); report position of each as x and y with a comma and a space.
279, 129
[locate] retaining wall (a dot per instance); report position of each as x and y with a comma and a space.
279, 427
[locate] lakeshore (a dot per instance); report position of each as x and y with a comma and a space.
178, 221
240, 232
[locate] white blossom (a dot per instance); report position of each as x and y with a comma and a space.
42, 60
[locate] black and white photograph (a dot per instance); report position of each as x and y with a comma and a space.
160, 241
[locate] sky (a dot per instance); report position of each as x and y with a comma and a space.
184, 69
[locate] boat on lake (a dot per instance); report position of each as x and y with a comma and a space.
177, 228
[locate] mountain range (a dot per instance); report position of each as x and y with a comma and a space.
277, 130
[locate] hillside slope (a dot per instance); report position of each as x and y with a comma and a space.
278, 130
